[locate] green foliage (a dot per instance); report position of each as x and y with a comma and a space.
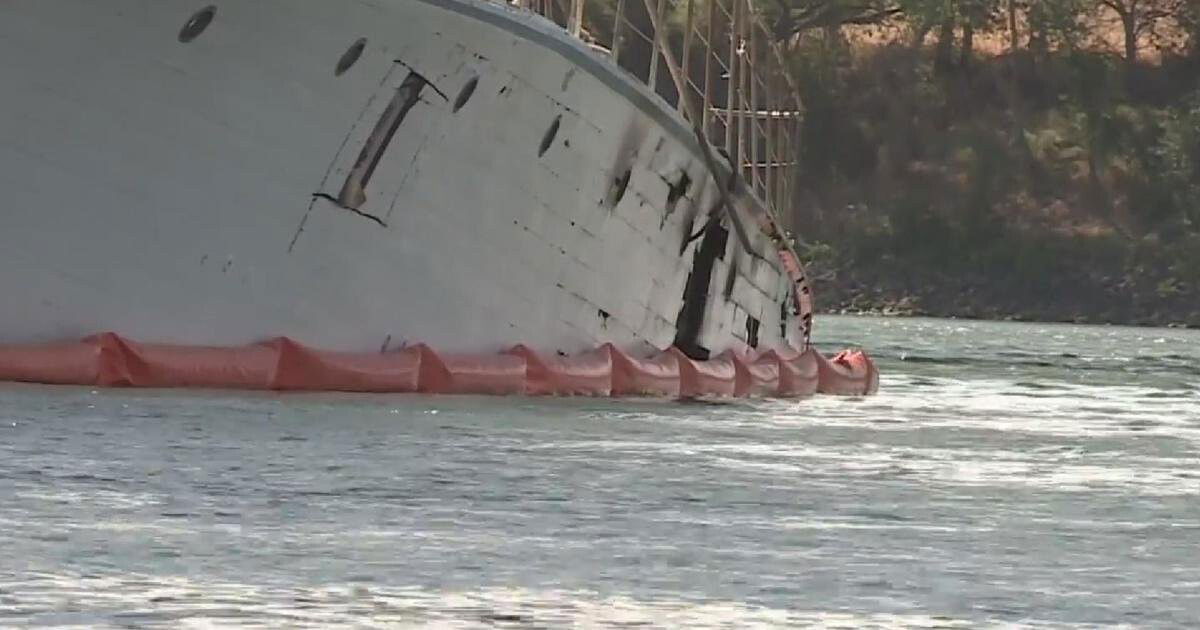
793, 17
1078, 187
1057, 24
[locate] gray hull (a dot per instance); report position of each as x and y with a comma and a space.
204, 192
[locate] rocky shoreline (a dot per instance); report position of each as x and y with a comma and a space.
1067, 300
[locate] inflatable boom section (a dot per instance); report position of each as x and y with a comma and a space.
283, 364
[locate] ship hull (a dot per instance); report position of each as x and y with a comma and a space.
520, 189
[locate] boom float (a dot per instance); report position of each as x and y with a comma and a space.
109, 360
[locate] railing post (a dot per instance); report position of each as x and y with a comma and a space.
659, 42
575, 22
735, 30
741, 90
769, 136
789, 171
776, 174
706, 115
673, 68
755, 178
687, 49
618, 22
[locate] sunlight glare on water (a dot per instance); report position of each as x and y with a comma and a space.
1013, 474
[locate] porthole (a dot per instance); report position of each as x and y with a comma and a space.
350, 57
465, 93
548, 137
197, 23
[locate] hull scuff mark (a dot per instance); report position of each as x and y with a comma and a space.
431, 84
331, 199
354, 192
695, 293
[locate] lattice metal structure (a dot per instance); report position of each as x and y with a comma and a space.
724, 71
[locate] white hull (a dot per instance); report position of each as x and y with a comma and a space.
183, 192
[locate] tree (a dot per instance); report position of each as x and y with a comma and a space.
1056, 24
1189, 19
950, 17
797, 16
975, 15
1142, 18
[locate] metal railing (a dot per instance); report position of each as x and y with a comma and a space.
725, 73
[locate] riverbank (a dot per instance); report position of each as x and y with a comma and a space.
1060, 187
975, 296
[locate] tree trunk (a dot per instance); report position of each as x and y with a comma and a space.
968, 45
1024, 154
919, 33
1013, 37
1129, 24
1101, 199
942, 57
1192, 25
835, 41
1038, 45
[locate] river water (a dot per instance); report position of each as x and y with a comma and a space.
1008, 474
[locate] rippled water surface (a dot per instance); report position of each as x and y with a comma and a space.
1008, 474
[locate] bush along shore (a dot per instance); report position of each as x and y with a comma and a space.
1055, 185
1089, 301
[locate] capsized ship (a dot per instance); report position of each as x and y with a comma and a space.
412, 186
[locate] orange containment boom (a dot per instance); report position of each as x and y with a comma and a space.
109, 360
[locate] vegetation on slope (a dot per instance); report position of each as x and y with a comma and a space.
1045, 179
